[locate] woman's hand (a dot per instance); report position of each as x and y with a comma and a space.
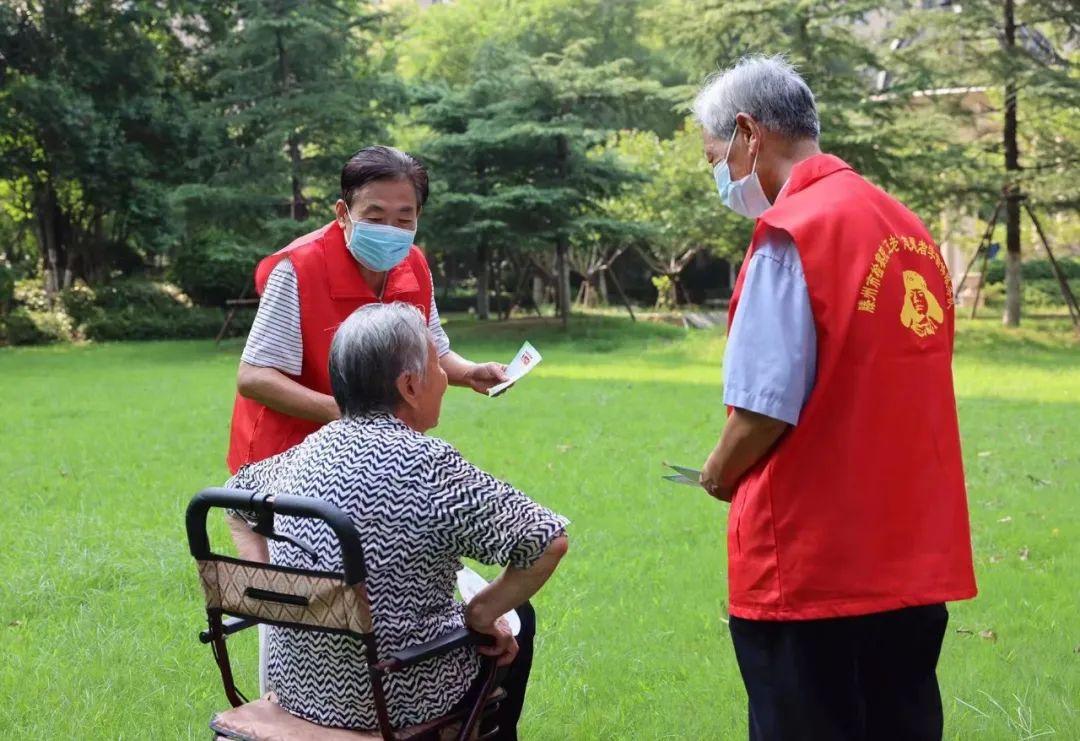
505, 646
482, 376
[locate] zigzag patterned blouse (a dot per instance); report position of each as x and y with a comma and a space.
419, 507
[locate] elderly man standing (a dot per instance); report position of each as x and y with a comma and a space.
848, 529
365, 255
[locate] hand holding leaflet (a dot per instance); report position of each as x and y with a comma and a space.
469, 584
526, 359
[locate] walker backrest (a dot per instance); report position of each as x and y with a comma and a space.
297, 598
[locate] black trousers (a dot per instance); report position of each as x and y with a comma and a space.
513, 679
871, 677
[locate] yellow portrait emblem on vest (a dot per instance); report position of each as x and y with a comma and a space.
921, 312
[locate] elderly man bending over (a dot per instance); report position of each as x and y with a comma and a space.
419, 508
848, 529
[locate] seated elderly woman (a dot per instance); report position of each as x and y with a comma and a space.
419, 508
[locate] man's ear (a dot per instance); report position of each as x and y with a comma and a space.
749, 128
341, 211
408, 386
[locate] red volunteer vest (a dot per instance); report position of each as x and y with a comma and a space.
861, 506
331, 287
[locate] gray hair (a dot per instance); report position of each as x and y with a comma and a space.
769, 89
371, 349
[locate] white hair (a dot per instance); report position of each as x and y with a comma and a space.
769, 89
370, 351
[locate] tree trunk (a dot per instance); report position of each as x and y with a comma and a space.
298, 208
586, 294
49, 242
601, 286
562, 246
483, 281
678, 291
1012, 166
498, 284
538, 291
562, 280
448, 276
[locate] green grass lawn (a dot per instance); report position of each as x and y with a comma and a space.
102, 446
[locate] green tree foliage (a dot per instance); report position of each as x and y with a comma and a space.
514, 149
963, 46
839, 48
1029, 142
94, 130
442, 42
676, 201
185, 139
292, 88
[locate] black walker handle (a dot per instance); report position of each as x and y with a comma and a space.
352, 552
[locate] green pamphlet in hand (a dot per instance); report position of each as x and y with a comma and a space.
683, 475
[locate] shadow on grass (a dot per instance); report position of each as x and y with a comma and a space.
1039, 342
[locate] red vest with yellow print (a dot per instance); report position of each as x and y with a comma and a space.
331, 287
861, 506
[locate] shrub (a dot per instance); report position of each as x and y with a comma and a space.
463, 302
30, 294
80, 303
137, 294
132, 324
993, 296
214, 269
1034, 270
1044, 293
178, 324
27, 327
7, 287
128, 309
665, 291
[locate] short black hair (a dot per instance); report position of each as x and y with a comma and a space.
375, 163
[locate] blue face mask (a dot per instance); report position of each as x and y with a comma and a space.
379, 247
745, 196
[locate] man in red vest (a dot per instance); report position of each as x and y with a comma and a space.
365, 255
848, 529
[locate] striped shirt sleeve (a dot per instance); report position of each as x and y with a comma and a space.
438, 334
486, 519
275, 340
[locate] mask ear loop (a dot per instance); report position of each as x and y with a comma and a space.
349, 220
734, 131
753, 168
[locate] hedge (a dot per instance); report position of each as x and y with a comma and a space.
1033, 270
123, 310
24, 326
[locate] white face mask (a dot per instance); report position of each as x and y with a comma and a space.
745, 197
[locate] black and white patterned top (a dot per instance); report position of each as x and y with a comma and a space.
419, 508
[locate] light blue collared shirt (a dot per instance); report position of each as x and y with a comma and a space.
770, 362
